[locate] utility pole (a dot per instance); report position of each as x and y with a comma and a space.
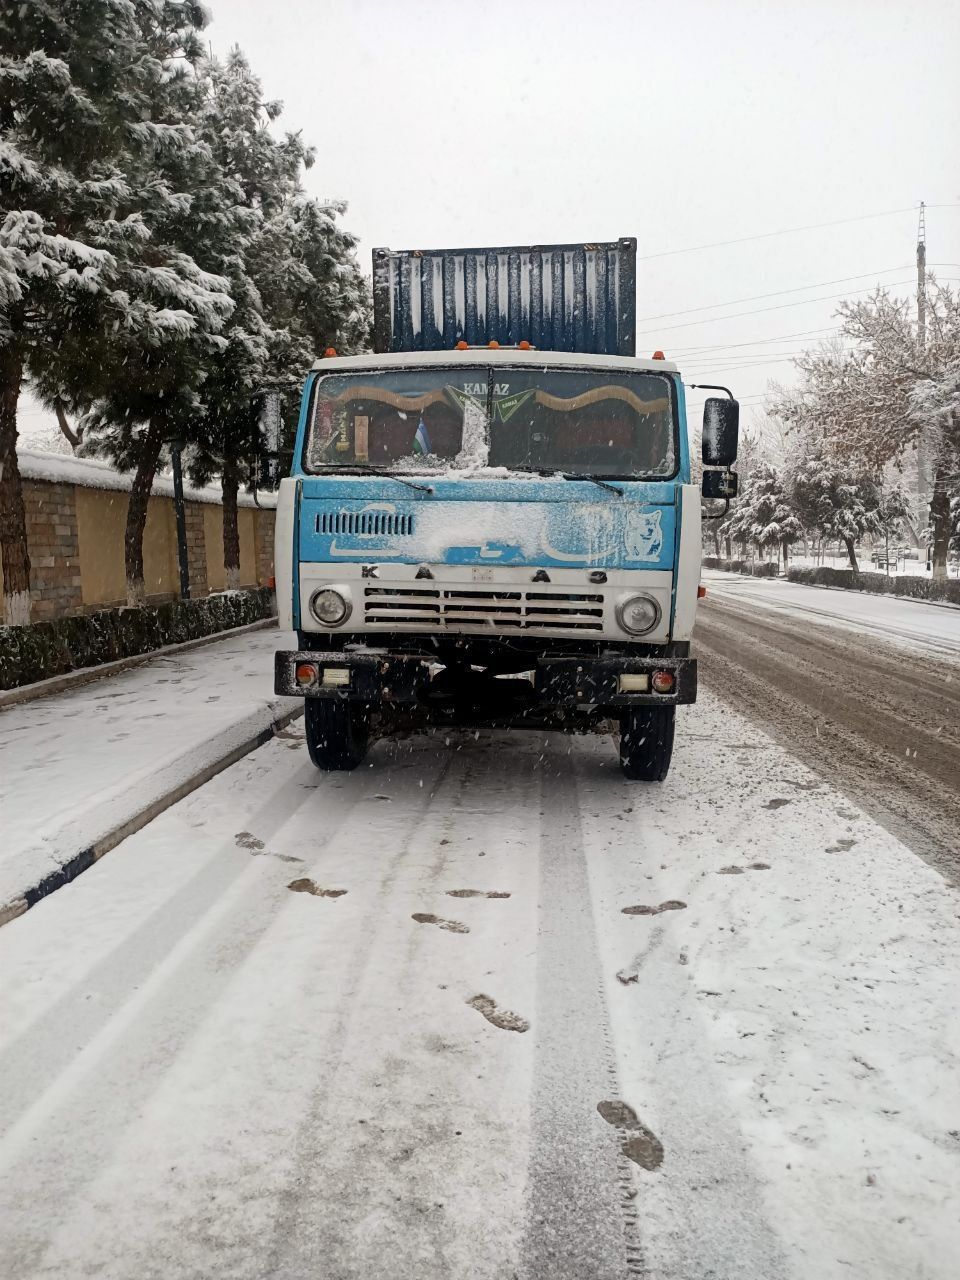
922, 282
924, 479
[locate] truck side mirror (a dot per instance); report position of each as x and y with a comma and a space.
719, 484
721, 429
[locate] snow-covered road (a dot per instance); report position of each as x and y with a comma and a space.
927, 628
872, 705
485, 1009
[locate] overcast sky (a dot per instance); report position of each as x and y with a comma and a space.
681, 123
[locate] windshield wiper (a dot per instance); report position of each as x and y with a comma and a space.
570, 475
376, 471
604, 484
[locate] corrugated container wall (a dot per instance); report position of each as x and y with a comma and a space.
563, 297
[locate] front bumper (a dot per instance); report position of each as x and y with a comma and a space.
568, 682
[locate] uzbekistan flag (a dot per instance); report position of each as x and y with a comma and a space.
421, 440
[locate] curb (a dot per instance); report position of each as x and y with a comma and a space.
86, 675
86, 857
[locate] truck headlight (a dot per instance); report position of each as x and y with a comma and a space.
638, 614
329, 607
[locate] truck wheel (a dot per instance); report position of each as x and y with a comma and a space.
337, 733
646, 743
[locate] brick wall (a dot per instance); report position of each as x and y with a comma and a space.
76, 512
196, 549
264, 546
54, 547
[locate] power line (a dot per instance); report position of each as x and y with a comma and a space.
788, 231
821, 284
782, 306
703, 369
757, 342
746, 357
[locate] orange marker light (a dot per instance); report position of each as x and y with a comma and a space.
493, 343
462, 346
658, 355
330, 351
524, 345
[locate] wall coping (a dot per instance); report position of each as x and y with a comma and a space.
92, 473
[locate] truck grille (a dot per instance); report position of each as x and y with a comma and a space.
378, 524
435, 609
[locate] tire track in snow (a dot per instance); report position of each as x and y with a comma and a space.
581, 1218
407, 1153
702, 1211
104, 1054
848, 708
42, 1053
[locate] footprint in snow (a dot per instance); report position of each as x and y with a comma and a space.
776, 803
842, 845
452, 926
247, 840
475, 893
642, 1146
738, 871
674, 904
305, 885
501, 1018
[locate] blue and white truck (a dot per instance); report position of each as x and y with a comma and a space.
490, 520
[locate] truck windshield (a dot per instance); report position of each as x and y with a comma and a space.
615, 424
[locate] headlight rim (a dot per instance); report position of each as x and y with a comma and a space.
657, 613
347, 607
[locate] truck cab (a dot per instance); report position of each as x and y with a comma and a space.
490, 535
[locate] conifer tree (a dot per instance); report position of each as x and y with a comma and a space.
93, 100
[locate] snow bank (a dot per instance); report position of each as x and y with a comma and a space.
91, 473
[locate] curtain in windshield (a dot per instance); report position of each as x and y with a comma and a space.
615, 424
399, 418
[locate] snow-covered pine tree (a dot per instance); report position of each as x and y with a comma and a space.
293, 276
833, 500
775, 523
738, 527
264, 172
91, 97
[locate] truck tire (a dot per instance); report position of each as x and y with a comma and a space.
337, 733
646, 743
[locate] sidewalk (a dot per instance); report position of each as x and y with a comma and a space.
79, 766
